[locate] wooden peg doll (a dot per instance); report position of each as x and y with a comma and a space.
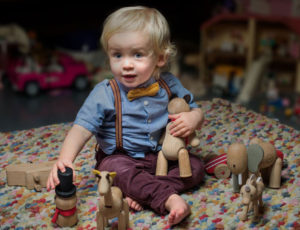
65, 200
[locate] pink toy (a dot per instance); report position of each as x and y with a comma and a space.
62, 71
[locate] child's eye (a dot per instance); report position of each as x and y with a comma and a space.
117, 55
138, 55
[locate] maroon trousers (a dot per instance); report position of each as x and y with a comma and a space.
137, 180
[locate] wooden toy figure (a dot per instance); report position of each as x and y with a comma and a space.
251, 194
217, 165
237, 161
31, 175
111, 203
65, 200
174, 148
271, 164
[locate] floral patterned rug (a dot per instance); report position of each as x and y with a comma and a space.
214, 205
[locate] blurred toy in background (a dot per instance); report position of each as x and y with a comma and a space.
272, 91
30, 67
28, 75
297, 107
83, 45
15, 35
11, 35
274, 102
3, 51
227, 80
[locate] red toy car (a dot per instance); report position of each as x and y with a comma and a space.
26, 75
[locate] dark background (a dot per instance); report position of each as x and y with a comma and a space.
52, 20
67, 24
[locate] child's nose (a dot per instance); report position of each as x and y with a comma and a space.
127, 64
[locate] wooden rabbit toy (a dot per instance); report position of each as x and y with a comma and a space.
174, 148
111, 203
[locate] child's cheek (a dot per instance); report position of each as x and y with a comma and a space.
115, 67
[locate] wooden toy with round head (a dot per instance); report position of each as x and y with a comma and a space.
237, 162
174, 148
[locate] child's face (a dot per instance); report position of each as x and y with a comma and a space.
131, 58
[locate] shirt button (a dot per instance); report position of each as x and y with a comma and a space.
146, 103
149, 121
151, 138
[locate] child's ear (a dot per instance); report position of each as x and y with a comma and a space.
161, 60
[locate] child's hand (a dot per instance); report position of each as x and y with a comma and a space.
53, 178
185, 123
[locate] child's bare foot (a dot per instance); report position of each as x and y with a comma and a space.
133, 204
178, 208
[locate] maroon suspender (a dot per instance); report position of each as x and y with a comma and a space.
164, 85
118, 107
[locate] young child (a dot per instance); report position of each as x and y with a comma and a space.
137, 42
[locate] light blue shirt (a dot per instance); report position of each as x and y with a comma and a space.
143, 119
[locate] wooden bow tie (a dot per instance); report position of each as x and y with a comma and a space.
144, 91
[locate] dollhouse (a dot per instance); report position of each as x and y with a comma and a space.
237, 41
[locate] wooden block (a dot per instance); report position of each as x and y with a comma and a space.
15, 174
31, 175
38, 175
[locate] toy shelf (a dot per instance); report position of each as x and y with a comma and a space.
240, 40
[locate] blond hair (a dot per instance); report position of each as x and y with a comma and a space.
140, 18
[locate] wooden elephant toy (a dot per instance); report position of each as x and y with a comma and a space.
260, 158
271, 164
174, 148
237, 161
